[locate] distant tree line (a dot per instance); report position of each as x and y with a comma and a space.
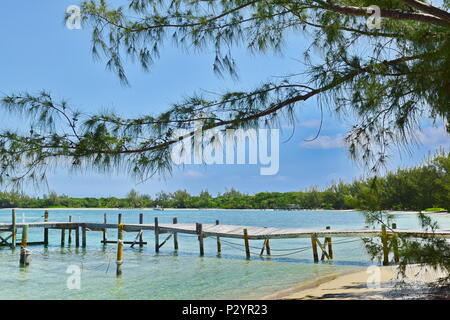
416, 188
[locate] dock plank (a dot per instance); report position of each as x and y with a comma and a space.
231, 231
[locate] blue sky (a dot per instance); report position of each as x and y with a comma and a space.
39, 52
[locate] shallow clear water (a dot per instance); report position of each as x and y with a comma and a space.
182, 275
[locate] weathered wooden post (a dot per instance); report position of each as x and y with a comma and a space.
267, 244
200, 238
384, 241
69, 240
24, 236
105, 236
83, 236
46, 229
314, 247
247, 246
266, 247
77, 236
25, 254
14, 229
119, 260
262, 249
141, 237
156, 235
330, 245
119, 219
395, 244
219, 244
175, 235
63, 235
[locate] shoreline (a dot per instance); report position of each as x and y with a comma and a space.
225, 209
146, 209
182, 209
445, 214
357, 285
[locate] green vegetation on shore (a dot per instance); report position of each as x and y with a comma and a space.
417, 188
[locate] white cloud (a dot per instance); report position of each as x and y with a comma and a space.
325, 142
433, 137
313, 123
280, 178
193, 174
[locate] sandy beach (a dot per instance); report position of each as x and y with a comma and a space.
361, 284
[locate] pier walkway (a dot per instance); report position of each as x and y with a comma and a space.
389, 236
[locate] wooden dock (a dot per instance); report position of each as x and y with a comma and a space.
217, 230
229, 231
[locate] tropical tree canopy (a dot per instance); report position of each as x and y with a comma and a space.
422, 188
386, 77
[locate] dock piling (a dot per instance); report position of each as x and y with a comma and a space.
141, 236
119, 260
46, 229
314, 247
384, 241
328, 241
77, 236
323, 248
25, 254
262, 249
63, 236
267, 244
69, 240
83, 236
175, 235
200, 239
156, 235
219, 244
395, 244
105, 236
247, 246
14, 229
24, 236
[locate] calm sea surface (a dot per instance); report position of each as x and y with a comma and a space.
182, 275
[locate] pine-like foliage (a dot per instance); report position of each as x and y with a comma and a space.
388, 79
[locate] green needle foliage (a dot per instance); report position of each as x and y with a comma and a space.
431, 254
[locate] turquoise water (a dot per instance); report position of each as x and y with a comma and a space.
182, 275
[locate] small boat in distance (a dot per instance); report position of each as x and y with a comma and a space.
158, 208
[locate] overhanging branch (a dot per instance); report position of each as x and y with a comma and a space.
428, 8
388, 13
